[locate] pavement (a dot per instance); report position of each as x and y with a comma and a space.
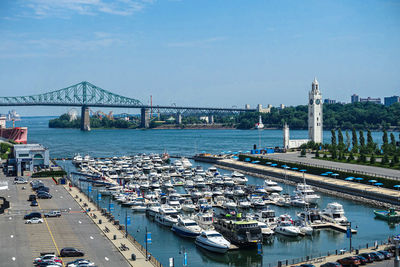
110, 230
348, 167
20, 243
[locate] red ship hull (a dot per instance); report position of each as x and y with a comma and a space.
17, 134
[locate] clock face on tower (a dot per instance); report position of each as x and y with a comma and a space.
317, 101
311, 101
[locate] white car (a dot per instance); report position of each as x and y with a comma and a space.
20, 180
34, 220
80, 262
46, 258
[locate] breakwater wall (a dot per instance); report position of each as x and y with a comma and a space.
343, 189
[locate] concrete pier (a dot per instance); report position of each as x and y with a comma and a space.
85, 119
144, 118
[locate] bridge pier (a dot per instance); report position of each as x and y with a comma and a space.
144, 118
85, 119
211, 119
179, 118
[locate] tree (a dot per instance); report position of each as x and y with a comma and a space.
317, 154
372, 160
385, 142
392, 144
303, 152
351, 157
385, 159
333, 138
396, 159
354, 141
334, 153
362, 158
362, 142
341, 140
370, 142
347, 141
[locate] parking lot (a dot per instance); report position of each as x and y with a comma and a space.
20, 243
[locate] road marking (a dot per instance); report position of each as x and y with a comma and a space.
13, 258
107, 259
51, 234
91, 237
12, 236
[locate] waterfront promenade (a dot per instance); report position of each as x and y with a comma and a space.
110, 230
294, 157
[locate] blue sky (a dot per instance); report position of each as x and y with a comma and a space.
203, 53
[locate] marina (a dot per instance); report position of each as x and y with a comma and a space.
324, 225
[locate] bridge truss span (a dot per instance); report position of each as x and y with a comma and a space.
81, 94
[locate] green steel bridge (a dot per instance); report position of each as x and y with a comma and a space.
85, 95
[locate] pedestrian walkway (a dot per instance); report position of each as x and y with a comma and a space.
125, 246
293, 157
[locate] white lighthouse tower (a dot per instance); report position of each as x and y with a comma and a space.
315, 113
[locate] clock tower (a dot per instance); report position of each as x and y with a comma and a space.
315, 113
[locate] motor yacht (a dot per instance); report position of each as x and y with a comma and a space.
213, 241
265, 230
285, 226
187, 227
188, 205
272, 186
334, 212
204, 220
307, 193
167, 216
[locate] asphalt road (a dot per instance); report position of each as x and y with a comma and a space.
20, 243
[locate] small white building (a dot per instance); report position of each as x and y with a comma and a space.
29, 156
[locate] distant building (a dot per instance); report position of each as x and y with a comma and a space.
329, 101
247, 106
372, 100
264, 110
3, 121
30, 156
391, 100
281, 106
355, 98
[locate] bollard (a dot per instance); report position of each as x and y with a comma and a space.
279, 264
100, 221
116, 222
115, 237
80, 200
336, 252
133, 257
366, 245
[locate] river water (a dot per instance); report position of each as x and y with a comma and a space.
165, 244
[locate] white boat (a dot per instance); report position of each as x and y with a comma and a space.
187, 228
244, 204
257, 202
265, 230
188, 205
259, 125
239, 178
334, 212
310, 215
203, 204
204, 220
77, 159
213, 241
229, 204
138, 207
305, 191
272, 186
186, 163
286, 227
152, 209
167, 216
298, 201
267, 216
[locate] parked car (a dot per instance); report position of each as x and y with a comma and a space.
307, 265
42, 189
34, 203
34, 221
49, 264
53, 213
71, 252
20, 180
331, 264
32, 197
385, 253
350, 261
368, 257
362, 259
44, 195
377, 256
36, 185
33, 215
80, 262
47, 258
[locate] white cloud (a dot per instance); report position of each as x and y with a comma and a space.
66, 8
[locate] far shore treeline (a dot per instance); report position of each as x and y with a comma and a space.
361, 116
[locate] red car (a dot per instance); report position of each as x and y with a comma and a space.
350, 261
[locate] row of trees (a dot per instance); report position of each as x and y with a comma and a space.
358, 148
345, 116
64, 122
